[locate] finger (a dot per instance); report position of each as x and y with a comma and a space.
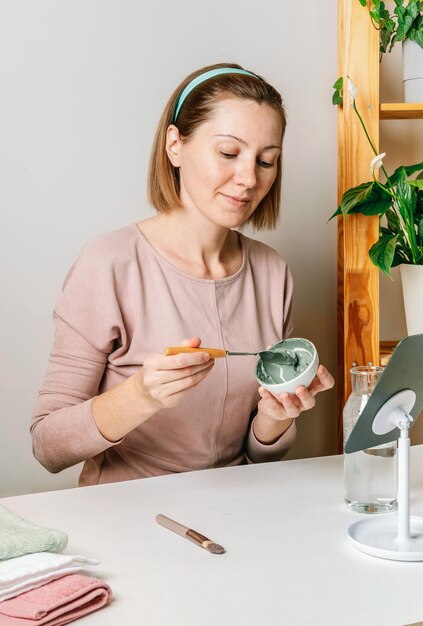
271, 407
292, 396
325, 377
179, 395
178, 361
289, 405
271, 401
306, 398
193, 342
162, 377
182, 384
323, 381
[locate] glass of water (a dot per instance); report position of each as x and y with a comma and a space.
370, 476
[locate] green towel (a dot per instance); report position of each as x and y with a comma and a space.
19, 537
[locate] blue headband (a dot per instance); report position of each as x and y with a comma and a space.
200, 79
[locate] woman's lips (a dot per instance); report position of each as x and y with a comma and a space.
236, 201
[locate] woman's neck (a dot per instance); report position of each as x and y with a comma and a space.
201, 249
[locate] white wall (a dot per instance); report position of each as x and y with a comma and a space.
83, 85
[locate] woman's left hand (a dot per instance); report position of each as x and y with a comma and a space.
286, 406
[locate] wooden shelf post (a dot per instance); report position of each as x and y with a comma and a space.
358, 278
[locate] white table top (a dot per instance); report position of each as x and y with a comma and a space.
284, 526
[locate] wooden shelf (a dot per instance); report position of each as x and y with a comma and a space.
401, 111
358, 278
385, 351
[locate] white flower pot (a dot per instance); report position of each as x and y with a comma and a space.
412, 71
412, 290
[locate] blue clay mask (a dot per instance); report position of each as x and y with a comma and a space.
270, 372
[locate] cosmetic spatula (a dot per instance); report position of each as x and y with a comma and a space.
282, 357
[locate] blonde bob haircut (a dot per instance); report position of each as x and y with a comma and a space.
197, 108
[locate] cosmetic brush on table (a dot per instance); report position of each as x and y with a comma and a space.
282, 357
190, 534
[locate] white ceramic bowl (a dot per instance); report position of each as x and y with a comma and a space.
304, 378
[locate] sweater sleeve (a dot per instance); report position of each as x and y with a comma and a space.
260, 453
87, 324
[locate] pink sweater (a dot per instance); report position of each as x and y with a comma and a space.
121, 301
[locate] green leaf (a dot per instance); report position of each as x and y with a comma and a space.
389, 25
337, 96
382, 253
413, 10
337, 212
400, 175
404, 26
393, 221
374, 14
406, 194
385, 36
399, 258
385, 231
399, 9
406, 202
408, 169
419, 38
416, 183
420, 229
400, 35
363, 3
354, 195
367, 198
407, 23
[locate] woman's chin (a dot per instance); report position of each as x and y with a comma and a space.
233, 219
234, 222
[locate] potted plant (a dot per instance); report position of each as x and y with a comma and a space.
405, 24
398, 201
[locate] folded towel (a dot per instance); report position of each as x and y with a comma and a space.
58, 602
33, 570
18, 536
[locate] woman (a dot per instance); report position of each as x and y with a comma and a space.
111, 397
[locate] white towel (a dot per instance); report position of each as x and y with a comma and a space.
27, 572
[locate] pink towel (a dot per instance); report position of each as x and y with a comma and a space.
58, 602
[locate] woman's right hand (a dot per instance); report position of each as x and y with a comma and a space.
161, 383
164, 380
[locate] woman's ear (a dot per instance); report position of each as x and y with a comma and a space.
173, 145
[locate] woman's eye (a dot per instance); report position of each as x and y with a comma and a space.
227, 155
264, 164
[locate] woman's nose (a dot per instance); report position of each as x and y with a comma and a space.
246, 174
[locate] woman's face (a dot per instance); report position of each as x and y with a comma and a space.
229, 163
